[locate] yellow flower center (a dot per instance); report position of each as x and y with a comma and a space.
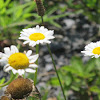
96, 50
18, 61
36, 36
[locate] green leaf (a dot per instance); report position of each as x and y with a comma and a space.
89, 66
51, 11
54, 81
1, 3
18, 13
45, 96
6, 3
2, 11
75, 88
95, 89
2, 81
77, 64
68, 80
55, 24
11, 10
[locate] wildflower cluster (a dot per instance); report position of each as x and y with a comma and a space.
20, 63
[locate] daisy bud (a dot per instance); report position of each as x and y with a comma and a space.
20, 88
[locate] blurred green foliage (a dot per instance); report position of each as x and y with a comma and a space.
89, 8
14, 14
82, 79
2, 81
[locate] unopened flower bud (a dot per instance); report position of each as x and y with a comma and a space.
40, 7
20, 88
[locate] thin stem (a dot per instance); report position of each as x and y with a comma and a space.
11, 79
42, 19
35, 76
88, 89
56, 71
55, 66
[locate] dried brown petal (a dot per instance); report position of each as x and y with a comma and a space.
4, 98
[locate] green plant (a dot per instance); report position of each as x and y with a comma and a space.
82, 78
2, 81
12, 15
50, 18
89, 8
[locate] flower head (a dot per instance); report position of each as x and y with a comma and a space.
18, 62
21, 88
36, 35
92, 49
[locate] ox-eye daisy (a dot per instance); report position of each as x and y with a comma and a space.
18, 62
36, 35
92, 49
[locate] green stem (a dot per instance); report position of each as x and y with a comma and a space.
56, 71
11, 79
35, 76
42, 19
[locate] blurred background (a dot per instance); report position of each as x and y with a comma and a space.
76, 23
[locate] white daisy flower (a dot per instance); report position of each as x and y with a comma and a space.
18, 62
36, 35
92, 49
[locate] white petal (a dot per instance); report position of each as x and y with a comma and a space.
38, 41
24, 33
7, 51
1, 54
21, 71
30, 70
42, 27
25, 42
8, 69
48, 42
32, 43
24, 38
6, 66
34, 58
87, 52
50, 33
29, 52
96, 56
37, 26
14, 49
50, 37
33, 66
3, 62
41, 41
5, 58
14, 71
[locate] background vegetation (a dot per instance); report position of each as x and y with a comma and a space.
80, 77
